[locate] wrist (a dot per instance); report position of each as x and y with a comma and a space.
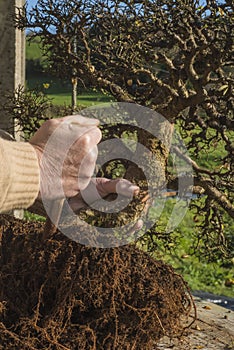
21, 173
38, 152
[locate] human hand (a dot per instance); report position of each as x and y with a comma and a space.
101, 187
67, 153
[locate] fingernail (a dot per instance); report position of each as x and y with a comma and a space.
144, 199
138, 226
84, 121
134, 190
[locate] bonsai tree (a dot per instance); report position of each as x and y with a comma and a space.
174, 57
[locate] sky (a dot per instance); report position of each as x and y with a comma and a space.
31, 3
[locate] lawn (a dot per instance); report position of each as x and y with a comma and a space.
60, 92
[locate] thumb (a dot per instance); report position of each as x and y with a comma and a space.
126, 188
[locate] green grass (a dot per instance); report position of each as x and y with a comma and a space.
28, 216
60, 92
84, 98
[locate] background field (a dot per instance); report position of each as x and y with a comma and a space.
59, 91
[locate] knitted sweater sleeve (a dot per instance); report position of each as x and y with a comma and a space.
19, 175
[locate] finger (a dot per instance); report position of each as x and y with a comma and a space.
136, 227
76, 203
78, 119
126, 188
82, 136
76, 176
78, 168
85, 146
90, 138
87, 163
120, 186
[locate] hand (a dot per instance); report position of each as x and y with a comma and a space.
67, 153
101, 187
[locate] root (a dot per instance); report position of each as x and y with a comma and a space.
60, 295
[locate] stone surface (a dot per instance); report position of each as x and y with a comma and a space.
213, 330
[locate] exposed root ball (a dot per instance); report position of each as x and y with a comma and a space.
61, 295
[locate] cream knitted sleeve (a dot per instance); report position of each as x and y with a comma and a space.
19, 175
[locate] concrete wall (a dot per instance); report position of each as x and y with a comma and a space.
12, 57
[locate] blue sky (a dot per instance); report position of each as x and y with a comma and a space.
31, 2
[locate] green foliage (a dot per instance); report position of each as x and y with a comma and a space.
183, 250
33, 49
33, 217
28, 108
36, 62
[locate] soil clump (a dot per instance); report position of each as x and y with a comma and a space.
60, 295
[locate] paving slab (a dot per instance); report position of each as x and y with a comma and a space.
213, 330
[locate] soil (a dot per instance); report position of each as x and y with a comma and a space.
60, 295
